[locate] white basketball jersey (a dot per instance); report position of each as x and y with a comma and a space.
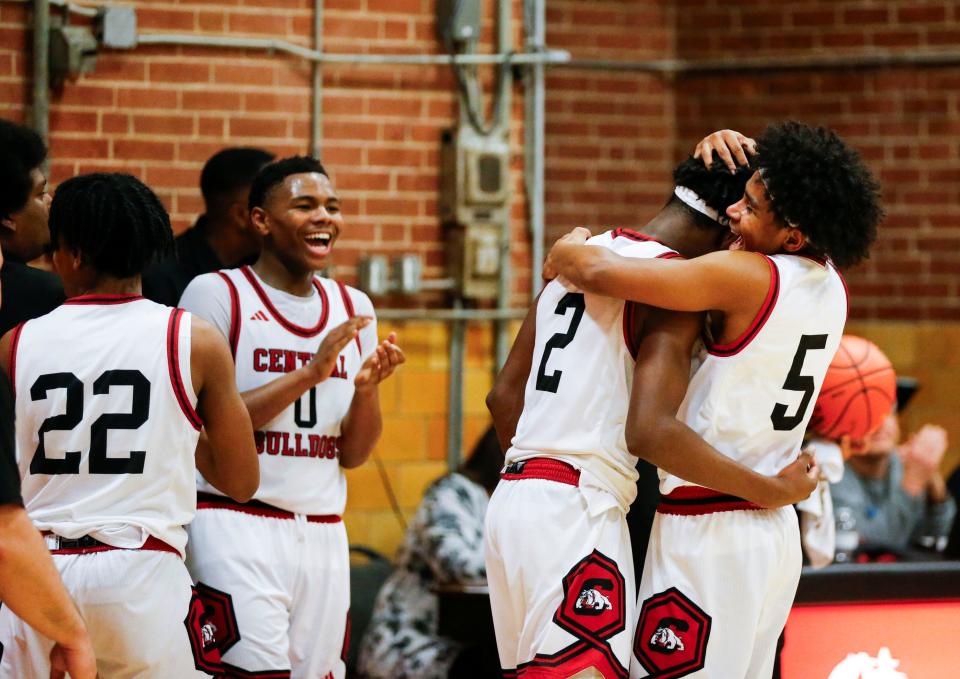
106, 425
578, 391
299, 449
751, 399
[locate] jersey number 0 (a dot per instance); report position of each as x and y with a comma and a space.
99, 462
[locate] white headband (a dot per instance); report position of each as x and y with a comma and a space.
690, 198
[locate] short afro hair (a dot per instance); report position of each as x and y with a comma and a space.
21, 151
113, 220
818, 184
716, 186
272, 175
231, 169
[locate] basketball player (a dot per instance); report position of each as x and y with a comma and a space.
111, 393
559, 562
721, 571
276, 569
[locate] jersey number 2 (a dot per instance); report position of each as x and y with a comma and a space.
571, 300
99, 462
797, 382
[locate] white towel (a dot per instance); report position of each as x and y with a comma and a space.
817, 529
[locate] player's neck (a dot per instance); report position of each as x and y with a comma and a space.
105, 285
676, 231
275, 273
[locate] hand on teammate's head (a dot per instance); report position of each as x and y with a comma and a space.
730, 146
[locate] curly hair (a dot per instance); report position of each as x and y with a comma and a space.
21, 152
716, 186
272, 175
818, 184
114, 220
231, 169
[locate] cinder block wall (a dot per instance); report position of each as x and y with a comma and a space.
612, 139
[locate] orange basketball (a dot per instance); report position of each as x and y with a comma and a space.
858, 391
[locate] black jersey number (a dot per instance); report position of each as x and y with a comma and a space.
311, 419
571, 300
797, 382
99, 462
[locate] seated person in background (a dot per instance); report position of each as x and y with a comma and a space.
895, 490
443, 544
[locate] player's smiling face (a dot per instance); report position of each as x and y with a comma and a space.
301, 220
753, 223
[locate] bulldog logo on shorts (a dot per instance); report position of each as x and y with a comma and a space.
672, 634
219, 629
591, 601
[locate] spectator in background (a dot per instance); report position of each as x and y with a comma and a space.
895, 490
443, 544
24, 234
223, 236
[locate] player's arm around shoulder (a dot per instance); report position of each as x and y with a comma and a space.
506, 397
363, 424
725, 281
226, 454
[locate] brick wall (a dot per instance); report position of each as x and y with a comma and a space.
903, 121
608, 134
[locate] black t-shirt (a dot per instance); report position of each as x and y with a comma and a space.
9, 473
165, 281
27, 293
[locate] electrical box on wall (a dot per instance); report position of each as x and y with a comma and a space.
474, 195
458, 21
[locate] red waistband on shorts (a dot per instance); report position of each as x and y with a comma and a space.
542, 468
257, 508
88, 545
695, 500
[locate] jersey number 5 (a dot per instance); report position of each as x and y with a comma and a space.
571, 300
99, 462
797, 382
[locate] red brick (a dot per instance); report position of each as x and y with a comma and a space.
152, 98
163, 125
211, 100
178, 72
73, 147
261, 127
259, 23
927, 14
139, 149
261, 74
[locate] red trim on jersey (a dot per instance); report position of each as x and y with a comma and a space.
235, 319
173, 366
695, 500
542, 468
292, 327
234, 672
843, 281
152, 544
508, 674
257, 508
633, 235
670, 255
14, 342
737, 345
103, 299
351, 312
